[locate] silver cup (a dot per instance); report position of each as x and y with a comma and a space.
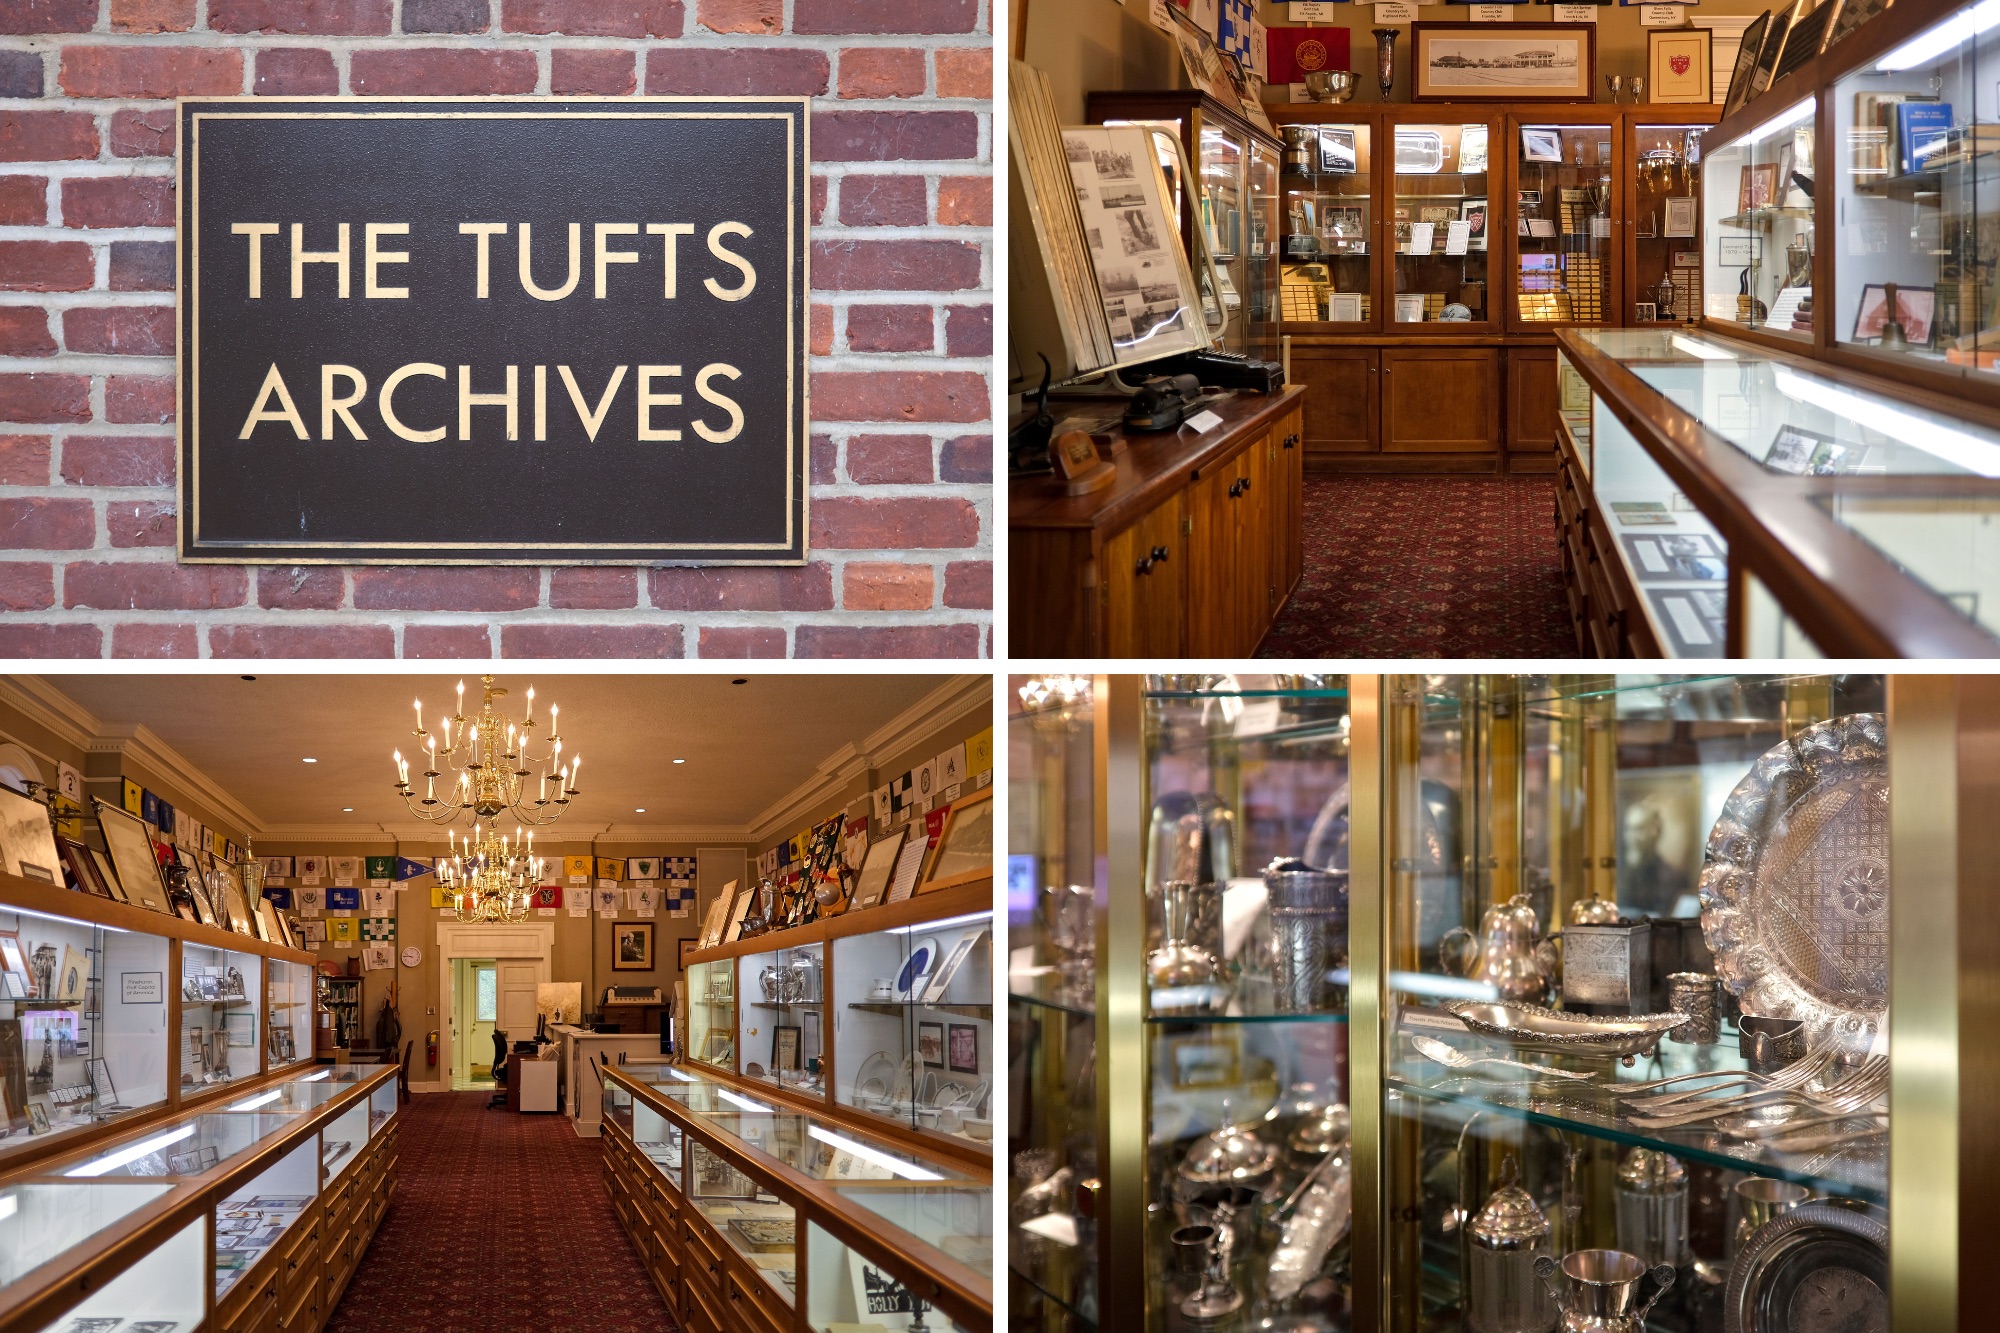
1308, 929
1694, 994
1769, 1044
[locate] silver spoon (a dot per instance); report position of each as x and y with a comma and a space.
1433, 1049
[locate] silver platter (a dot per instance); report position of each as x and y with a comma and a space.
1795, 883
1530, 1027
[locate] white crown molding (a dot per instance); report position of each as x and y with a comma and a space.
49, 708
142, 744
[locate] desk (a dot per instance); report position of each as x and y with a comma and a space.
580, 1086
531, 1084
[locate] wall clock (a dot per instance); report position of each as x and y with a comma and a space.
412, 956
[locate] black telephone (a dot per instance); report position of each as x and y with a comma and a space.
1162, 402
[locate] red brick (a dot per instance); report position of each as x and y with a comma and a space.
713, 72
45, 266
140, 522
867, 585
118, 460
39, 398
965, 201
915, 523
24, 460
887, 136
152, 15
24, 331
142, 266
38, 16
154, 586
295, 71
593, 73
567, 641
751, 16
885, 16
595, 18
967, 458
818, 199
47, 136
884, 201
165, 641
145, 400
876, 460
890, 328
24, 201
501, 588
901, 266
594, 588
50, 640
162, 70
968, 330
825, 461
301, 641
887, 641
460, 641
968, 585
301, 587
822, 330
738, 641
899, 395
118, 201
440, 73
120, 330
143, 133
27, 585
446, 16
748, 588
882, 71
332, 18
965, 71
20, 73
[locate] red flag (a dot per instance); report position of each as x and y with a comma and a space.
1297, 52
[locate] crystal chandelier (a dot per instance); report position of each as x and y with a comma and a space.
491, 878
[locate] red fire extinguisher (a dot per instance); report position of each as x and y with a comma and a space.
431, 1048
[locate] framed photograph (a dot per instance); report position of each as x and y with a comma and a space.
38, 1118
930, 1045
785, 1043
74, 977
28, 839
1645, 312
1765, 69
131, 850
1682, 215
1437, 214
721, 1048
878, 866
1853, 13
632, 946
1805, 38
962, 1048
964, 851
1756, 186
738, 910
1539, 145
77, 861
941, 976
1677, 65
718, 916
1337, 155
688, 945
1473, 213
1915, 307
1514, 62
1746, 63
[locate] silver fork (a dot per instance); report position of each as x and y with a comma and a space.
1850, 1094
1794, 1075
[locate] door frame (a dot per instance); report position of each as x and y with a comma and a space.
524, 941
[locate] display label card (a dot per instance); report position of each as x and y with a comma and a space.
1400, 11
1576, 13
596, 304
1492, 13
1420, 238
1661, 16
1457, 236
1203, 422
141, 987
1311, 11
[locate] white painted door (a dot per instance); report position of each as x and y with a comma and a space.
517, 998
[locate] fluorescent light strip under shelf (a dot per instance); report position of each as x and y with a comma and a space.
868, 1154
314, 1078
255, 1102
112, 1162
743, 1102
685, 1078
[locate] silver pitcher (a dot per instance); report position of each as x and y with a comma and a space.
1598, 1290
1507, 953
1308, 932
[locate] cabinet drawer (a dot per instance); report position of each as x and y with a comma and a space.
302, 1309
748, 1303
704, 1309
702, 1252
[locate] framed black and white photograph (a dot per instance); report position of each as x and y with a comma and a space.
962, 1048
1645, 312
1746, 63
28, 839
1514, 62
132, 856
930, 1045
1805, 453
688, 945
1540, 145
1676, 557
632, 946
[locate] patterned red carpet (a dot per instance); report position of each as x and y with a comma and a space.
499, 1222
1427, 567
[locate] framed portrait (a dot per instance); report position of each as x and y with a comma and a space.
1472, 212
1540, 145
1677, 65
785, 1043
1682, 216
878, 866
1746, 62
1915, 309
964, 851
632, 946
1661, 834
930, 1045
962, 1048
688, 945
131, 851
1645, 312
28, 839
77, 861
1756, 186
1513, 62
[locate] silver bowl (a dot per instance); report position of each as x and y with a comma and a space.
1330, 85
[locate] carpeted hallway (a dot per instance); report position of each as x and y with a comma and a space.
1427, 567
499, 1222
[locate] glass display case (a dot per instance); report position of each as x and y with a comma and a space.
758, 1225
289, 1029
1327, 183
222, 994
41, 1221
258, 1213
341, 1140
1918, 198
1666, 224
1566, 266
783, 999
162, 1290
847, 1291
1757, 194
1261, 199
188, 1147
1440, 199
83, 1026
712, 1012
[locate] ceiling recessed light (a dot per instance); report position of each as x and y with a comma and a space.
639, 810
311, 760
680, 761
346, 809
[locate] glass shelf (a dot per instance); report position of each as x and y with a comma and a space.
40, 1222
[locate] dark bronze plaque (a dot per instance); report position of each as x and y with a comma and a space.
538, 331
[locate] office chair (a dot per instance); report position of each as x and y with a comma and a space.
499, 1097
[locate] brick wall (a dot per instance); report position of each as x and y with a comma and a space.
902, 449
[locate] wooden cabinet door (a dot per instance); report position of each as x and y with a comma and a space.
1212, 601
1144, 573
1440, 400
1256, 579
1343, 400
1291, 527
1531, 400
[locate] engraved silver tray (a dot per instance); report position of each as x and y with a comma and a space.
1530, 1027
1795, 883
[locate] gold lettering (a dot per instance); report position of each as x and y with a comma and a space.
371, 256
467, 400
302, 256
541, 403
575, 266
715, 289
592, 420
256, 231
485, 231
330, 406
648, 400
287, 411
728, 405
605, 256
673, 231
389, 387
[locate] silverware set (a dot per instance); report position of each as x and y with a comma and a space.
1846, 1098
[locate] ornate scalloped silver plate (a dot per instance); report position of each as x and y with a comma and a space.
1795, 882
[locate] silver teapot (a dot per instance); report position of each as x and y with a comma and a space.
1599, 1289
1507, 954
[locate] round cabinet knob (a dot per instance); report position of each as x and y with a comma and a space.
1159, 553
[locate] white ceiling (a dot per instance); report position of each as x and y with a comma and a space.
748, 747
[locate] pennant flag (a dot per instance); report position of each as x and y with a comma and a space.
610, 868
408, 869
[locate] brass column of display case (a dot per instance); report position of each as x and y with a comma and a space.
1369, 736
1123, 1076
